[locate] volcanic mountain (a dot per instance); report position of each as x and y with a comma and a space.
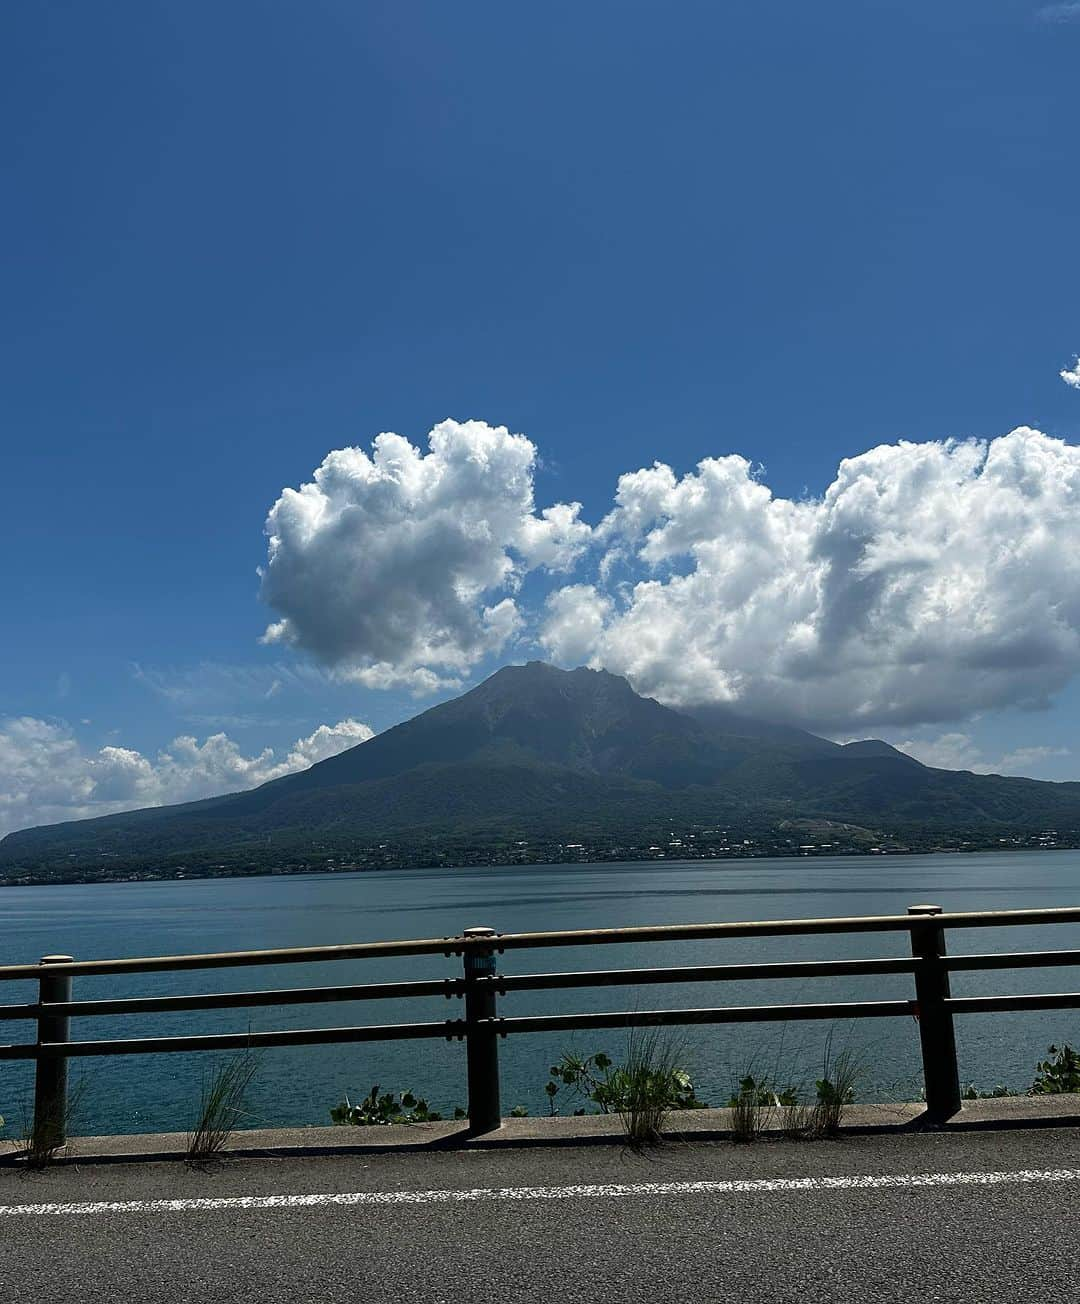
541, 756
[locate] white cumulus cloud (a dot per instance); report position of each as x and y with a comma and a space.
1071, 375
47, 776
327, 741
398, 568
930, 581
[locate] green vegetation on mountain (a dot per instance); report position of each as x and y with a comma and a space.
538, 763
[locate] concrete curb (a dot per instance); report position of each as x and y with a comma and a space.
703, 1125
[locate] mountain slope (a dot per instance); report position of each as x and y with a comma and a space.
584, 719
725, 720
540, 755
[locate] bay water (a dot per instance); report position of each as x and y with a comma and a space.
299, 1085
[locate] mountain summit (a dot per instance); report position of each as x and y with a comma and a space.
542, 757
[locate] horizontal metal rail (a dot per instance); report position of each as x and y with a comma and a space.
452, 1028
238, 959
786, 927
19, 1012
242, 1000
698, 973
1013, 960
237, 1040
524, 941
729, 1014
996, 1004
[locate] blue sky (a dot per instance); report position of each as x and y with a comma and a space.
239, 236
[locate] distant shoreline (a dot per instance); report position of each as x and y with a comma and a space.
321, 871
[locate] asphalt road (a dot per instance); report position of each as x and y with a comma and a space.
912, 1218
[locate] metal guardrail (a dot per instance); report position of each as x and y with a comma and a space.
480, 985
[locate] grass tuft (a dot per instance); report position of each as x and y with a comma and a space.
798, 1122
41, 1137
752, 1104
221, 1107
840, 1074
643, 1090
651, 1083
750, 1110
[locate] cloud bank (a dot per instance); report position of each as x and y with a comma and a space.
399, 568
929, 582
959, 751
48, 776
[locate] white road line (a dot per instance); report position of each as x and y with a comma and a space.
648, 1189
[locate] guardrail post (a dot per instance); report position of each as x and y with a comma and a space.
481, 1044
936, 1033
50, 1080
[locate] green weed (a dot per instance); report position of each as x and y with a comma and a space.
221, 1107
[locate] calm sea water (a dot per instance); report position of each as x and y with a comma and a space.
297, 1086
